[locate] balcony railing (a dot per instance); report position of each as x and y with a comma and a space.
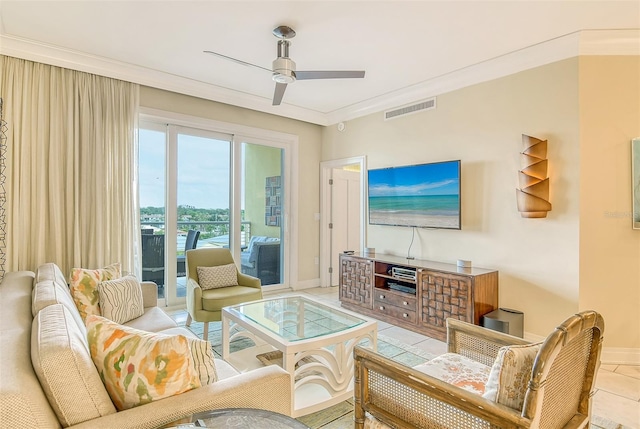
212, 233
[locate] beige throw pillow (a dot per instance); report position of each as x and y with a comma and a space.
121, 299
510, 375
218, 276
84, 287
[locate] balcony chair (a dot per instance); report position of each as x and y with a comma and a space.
543, 385
206, 305
262, 259
153, 258
191, 243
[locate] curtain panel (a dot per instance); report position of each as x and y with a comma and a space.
70, 164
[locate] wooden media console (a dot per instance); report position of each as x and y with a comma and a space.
416, 294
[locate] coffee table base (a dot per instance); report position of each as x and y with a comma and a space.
321, 368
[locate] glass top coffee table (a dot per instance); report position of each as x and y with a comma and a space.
312, 341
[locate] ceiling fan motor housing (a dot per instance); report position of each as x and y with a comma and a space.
284, 68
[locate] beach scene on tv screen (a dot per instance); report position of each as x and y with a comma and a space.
426, 195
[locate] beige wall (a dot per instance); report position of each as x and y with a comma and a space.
260, 162
308, 159
482, 126
609, 248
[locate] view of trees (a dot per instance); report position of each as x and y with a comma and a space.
197, 216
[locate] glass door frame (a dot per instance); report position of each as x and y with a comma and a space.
236, 201
240, 134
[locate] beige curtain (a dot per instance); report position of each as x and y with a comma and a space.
70, 167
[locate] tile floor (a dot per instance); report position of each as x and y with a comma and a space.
616, 399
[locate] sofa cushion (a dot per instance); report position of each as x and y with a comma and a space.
458, 370
510, 374
51, 271
217, 276
47, 292
23, 403
84, 287
121, 299
62, 362
154, 319
139, 367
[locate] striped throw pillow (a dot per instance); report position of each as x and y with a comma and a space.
121, 299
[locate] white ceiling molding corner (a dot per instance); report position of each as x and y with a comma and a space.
610, 42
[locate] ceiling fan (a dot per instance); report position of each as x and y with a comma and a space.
283, 69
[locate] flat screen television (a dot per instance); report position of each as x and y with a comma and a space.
421, 195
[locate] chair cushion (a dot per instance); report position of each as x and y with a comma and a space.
253, 255
84, 287
121, 299
215, 299
510, 375
140, 367
217, 276
458, 370
67, 374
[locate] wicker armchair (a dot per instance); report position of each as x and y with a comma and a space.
558, 392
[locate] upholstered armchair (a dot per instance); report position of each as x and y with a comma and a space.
205, 305
486, 380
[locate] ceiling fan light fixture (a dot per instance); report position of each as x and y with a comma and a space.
284, 70
283, 78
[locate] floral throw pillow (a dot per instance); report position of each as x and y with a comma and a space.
139, 367
510, 375
218, 276
84, 287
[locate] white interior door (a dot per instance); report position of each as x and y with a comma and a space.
345, 216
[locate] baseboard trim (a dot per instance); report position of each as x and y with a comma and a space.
307, 284
609, 355
620, 356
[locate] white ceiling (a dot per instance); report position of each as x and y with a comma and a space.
409, 49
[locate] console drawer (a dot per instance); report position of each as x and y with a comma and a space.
405, 314
384, 297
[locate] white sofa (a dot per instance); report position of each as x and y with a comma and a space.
39, 322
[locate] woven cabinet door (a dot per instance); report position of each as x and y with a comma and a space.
356, 281
443, 296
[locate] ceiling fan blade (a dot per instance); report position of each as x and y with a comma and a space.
235, 60
278, 93
326, 74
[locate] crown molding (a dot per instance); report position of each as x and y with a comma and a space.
75, 60
586, 42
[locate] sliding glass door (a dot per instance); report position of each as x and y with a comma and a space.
262, 203
200, 188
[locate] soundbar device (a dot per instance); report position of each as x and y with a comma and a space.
403, 274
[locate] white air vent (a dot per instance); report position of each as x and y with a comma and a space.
411, 109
